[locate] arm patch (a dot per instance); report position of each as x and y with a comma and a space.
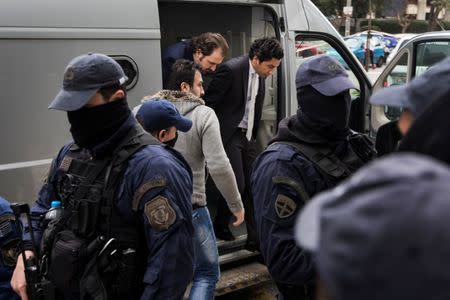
160, 213
284, 206
144, 188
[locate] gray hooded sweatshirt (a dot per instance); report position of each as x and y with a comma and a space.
202, 145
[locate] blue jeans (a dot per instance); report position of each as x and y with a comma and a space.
206, 272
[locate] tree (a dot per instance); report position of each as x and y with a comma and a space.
404, 19
436, 6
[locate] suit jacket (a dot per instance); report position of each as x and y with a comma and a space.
227, 95
175, 51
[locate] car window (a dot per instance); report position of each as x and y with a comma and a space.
429, 53
353, 43
307, 48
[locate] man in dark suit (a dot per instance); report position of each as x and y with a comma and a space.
236, 93
207, 50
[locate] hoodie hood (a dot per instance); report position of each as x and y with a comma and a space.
185, 102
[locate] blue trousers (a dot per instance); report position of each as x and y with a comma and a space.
206, 271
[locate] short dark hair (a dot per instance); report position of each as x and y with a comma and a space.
183, 70
108, 91
209, 41
265, 49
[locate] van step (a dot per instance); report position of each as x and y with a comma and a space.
236, 256
229, 246
242, 277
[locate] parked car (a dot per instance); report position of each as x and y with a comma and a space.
358, 45
389, 40
401, 42
305, 49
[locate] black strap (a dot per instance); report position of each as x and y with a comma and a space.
138, 139
326, 162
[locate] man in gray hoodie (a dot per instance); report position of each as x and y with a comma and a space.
200, 146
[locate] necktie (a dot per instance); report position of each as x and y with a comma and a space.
251, 110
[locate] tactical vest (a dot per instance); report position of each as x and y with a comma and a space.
332, 168
91, 251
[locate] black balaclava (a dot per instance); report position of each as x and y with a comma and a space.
319, 120
325, 115
94, 125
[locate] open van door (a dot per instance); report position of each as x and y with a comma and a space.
309, 33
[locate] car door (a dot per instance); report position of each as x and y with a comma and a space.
418, 55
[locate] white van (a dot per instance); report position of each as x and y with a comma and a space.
38, 39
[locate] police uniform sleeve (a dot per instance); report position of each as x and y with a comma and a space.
279, 188
164, 205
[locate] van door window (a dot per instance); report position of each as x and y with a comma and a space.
307, 47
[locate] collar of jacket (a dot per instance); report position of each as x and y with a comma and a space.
174, 96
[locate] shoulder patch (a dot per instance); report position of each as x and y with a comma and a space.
144, 188
65, 163
296, 185
285, 206
160, 213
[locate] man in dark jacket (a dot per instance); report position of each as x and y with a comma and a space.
236, 94
207, 50
312, 151
126, 198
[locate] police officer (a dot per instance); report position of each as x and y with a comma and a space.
9, 239
126, 230
312, 151
383, 234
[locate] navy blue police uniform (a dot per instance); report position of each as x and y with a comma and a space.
126, 199
9, 238
156, 181
312, 151
282, 182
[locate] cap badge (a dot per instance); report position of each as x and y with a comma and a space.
333, 67
69, 75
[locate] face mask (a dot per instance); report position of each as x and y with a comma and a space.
172, 142
94, 125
